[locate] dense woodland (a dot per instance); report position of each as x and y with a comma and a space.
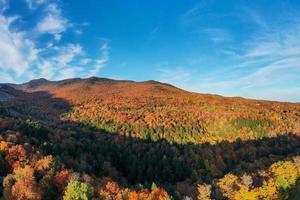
105, 139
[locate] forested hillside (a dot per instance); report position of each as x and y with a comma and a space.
106, 139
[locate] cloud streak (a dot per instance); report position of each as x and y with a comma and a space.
98, 64
265, 64
33, 4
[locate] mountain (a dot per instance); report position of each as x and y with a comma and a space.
38, 83
153, 105
145, 140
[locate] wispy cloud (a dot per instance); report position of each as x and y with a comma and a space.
153, 34
17, 52
66, 54
265, 64
85, 61
3, 5
195, 19
195, 14
23, 56
254, 17
33, 4
69, 61
54, 22
278, 43
62, 57
102, 61
174, 75
217, 35
276, 72
69, 72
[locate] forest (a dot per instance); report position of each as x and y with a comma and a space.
104, 139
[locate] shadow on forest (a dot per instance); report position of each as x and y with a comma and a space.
95, 151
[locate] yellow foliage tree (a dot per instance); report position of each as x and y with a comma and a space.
229, 185
245, 193
204, 192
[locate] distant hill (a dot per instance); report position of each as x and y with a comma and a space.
44, 82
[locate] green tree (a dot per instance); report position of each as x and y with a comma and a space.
78, 191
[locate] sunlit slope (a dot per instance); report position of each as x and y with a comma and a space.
154, 110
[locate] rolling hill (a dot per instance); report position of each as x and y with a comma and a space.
145, 140
167, 112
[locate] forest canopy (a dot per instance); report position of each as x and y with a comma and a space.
126, 140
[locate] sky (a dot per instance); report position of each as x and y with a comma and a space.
229, 47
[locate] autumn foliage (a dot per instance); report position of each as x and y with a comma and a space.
122, 140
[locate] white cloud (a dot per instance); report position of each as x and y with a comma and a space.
53, 23
66, 54
53, 66
46, 69
21, 59
69, 72
85, 61
69, 61
17, 52
57, 37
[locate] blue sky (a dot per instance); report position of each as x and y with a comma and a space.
232, 48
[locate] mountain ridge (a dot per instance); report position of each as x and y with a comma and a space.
40, 82
43, 82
